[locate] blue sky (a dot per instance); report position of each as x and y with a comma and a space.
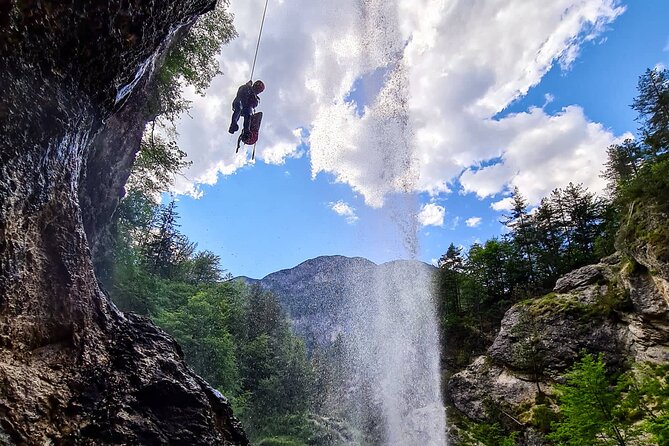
481, 120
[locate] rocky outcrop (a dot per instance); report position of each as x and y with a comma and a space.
74, 370
617, 307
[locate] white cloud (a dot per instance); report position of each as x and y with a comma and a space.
473, 222
345, 210
431, 215
505, 204
451, 67
544, 152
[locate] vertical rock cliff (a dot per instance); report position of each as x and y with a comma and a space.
73, 369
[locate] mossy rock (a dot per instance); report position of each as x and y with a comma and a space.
554, 303
542, 416
645, 225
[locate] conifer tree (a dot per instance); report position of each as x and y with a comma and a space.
167, 249
451, 266
590, 407
652, 104
522, 233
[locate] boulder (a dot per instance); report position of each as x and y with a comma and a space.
581, 277
485, 383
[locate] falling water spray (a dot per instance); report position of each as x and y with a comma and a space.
392, 339
393, 343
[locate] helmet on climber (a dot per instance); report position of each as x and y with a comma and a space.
258, 87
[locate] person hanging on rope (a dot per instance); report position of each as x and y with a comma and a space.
246, 100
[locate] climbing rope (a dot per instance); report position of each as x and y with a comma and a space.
259, 36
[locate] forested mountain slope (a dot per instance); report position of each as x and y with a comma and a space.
317, 295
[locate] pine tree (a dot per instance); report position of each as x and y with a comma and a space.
523, 235
623, 163
167, 249
549, 239
652, 104
204, 267
585, 215
451, 266
590, 407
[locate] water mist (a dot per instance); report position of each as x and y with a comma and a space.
392, 338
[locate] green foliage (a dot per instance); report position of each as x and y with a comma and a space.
191, 62
236, 337
490, 435
570, 228
650, 395
165, 249
281, 441
652, 105
159, 160
599, 408
294, 429
542, 417
639, 170
591, 407
273, 361
201, 327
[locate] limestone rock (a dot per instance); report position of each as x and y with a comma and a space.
612, 308
484, 382
564, 325
584, 276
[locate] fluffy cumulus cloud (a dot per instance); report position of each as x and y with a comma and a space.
345, 210
403, 95
505, 204
473, 222
431, 215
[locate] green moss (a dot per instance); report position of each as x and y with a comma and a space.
615, 299
553, 303
645, 224
542, 416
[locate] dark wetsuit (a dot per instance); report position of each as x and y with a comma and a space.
243, 105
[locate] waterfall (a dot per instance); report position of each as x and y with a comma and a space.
393, 353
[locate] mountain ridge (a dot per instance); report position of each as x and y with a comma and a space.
315, 292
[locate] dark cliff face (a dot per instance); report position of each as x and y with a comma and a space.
74, 370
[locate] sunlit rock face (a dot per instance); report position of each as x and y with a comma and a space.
74, 370
617, 307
